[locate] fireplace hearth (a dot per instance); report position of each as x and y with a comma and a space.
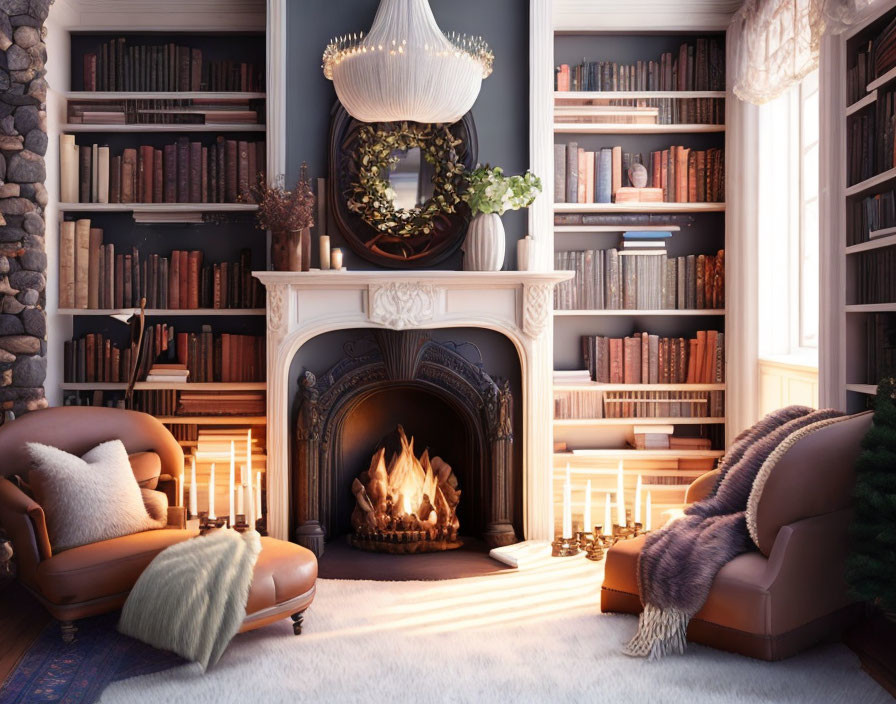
402, 501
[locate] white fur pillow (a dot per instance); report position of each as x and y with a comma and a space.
87, 499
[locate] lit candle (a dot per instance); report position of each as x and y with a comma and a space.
211, 492
608, 516
232, 480
258, 513
647, 510
586, 519
240, 492
324, 252
567, 506
180, 489
194, 499
638, 500
250, 507
249, 455
620, 497
336, 259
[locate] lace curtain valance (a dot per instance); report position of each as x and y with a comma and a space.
775, 43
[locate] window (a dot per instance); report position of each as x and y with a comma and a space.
808, 228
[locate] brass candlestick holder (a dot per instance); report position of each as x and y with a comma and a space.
565, 547
600, 541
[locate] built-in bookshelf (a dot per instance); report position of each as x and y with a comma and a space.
162, 135
649, 262
866, 245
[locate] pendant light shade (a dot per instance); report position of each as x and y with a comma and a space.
406, 68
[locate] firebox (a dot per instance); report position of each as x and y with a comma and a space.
405, 443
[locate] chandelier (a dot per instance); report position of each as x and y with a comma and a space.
406, 68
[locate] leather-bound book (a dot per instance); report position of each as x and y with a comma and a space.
692, 176
163, 283
225, 358
181, 343
664, 175
67, 264
115, 179
700, 177
196, 69
691, 281
183, 170
700, 352
692, 362
127, 283
216, 287
102, 176
225, 284
107, 360
169, 159
208, 368
128, 175
699, 273
243, 169
137, 279
212, 194
216, 371
662, 361
194, 264
174, 281
244, 300
152, 291
82, 262
709, 362
681, 174
203, 190
147, 156
68, 361
559, 173
720, 280
616, 360
602, 359
205, 287
84, 176
95, 243
118, 279
94, 173
653, 356
158, 176
90, 357
617, 169
68, 169
195, 183
183, 279
221, 195
572, 172
115, 375
101, 277
184, 68
252, 171
709, 268
108, 300
231, 176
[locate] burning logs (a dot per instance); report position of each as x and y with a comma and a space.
408, 506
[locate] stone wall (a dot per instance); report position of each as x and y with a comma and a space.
23, 197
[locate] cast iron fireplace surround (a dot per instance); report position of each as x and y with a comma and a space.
447, 401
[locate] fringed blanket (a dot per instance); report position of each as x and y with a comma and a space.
677, 565
191, 599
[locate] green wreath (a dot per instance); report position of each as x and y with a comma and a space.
369, 196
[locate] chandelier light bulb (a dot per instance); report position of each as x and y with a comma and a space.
406, 68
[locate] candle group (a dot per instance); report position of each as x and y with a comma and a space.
587, 525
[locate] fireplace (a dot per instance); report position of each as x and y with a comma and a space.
442, 396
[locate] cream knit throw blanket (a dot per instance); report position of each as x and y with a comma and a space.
191, 599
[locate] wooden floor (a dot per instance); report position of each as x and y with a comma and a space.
874, 641
22, 619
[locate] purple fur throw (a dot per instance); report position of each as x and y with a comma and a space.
678, 564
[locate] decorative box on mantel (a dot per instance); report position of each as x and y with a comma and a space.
517, 304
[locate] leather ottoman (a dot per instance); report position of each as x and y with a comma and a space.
283, 585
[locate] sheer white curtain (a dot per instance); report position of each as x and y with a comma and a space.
776, 42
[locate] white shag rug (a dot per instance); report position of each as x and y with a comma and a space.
531, 635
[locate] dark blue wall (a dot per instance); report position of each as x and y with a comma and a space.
501, 112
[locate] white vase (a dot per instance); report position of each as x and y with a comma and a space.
484, 246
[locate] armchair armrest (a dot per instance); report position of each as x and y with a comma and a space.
701, 487
24, 520
177, 517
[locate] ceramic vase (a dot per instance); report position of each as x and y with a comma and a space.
485, 243
291, 250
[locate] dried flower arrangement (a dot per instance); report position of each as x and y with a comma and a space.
288, 215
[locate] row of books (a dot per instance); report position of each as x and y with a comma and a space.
170, 402
649, 359
880, 348
664, 404
624, 221
611, 279
639, 111
685, 175
181, 172
874, 280
118, 65
869, 216
860, 142
885, 142
184, 432
859, 75
93, 277
698, 65
206, 111
661, 437
209, 357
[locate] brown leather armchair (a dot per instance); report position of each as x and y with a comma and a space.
96, 578
791, 593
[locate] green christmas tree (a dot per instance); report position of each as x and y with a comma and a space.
871, 568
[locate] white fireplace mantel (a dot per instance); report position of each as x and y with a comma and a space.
517, 304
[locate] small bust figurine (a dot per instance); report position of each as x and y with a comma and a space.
637, 175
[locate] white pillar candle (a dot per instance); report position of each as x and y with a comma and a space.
241, 491
249, 454
567, 506
638, 500
608, 516
232, 480
194, 499
620, 497
647, 511
180, 489
247, 490
336, 259
211, 492
258, 512
586, 518
324, 252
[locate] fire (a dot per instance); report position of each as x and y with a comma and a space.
409, 505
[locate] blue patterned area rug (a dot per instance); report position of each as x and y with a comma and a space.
51, 671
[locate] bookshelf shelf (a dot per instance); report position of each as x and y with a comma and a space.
871, 308
603, 128
869, 389
632, 454
570, 229
161, 95
613, 422
213, 420
639, 208
127, 129
158, 207
159, 312
869, 99
882, 80
636, 313
594, 386
647, 94
871, 183
883, 238
164, 386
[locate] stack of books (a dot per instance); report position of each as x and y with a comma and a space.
206, 111
168, 373
652, 437
572, 376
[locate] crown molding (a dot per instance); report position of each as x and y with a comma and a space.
643, 15
161, 15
